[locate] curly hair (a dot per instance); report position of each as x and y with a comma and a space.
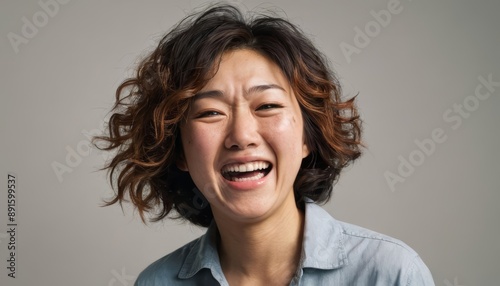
144, 125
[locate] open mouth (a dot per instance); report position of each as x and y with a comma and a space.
246, 172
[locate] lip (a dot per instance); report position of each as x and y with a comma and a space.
246, 185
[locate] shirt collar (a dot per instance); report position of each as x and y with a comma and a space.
203, 255
322, 245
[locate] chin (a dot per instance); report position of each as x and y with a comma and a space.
249, 210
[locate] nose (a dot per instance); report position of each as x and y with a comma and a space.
242, 131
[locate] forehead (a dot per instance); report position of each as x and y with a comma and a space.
245, 65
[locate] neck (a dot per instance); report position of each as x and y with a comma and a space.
267, 250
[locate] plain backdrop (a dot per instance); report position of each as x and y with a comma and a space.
415, 72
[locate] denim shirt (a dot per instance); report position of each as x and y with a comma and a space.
333, 253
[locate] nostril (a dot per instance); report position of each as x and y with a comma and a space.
235, 147
238, 147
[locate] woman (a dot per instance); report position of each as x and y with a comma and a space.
239, 126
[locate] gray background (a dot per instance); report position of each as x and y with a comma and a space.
60, 84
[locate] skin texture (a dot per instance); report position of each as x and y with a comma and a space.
248, 113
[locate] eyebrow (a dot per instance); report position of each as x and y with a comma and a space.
263, 87
253, 89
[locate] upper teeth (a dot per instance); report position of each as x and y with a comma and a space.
247, 167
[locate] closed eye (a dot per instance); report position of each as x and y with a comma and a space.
269, 106
209, 113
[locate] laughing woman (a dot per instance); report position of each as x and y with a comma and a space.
238, 125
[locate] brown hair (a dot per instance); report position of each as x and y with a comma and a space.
144, 126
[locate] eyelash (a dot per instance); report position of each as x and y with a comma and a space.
269, 106
265, 106
209, 113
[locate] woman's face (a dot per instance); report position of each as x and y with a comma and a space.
243, 139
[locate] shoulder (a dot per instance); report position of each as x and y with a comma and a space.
386, 257
350, 238
363, 256
358, 238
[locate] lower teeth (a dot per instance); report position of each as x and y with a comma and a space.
256, 177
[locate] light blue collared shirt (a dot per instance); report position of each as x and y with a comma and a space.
333, 253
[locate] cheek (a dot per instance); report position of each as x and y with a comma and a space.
286, 132
200, 145
195, 137
191, 145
